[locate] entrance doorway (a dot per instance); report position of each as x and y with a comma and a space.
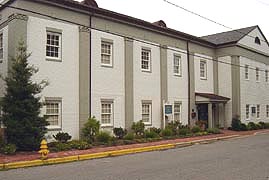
203, 114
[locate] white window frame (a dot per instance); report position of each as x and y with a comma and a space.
1, 47
247, 72
109, 102
258, 111
266, 76
107, 52
144, 113
59, 46
59, 114
146, 60
177, 112
247, 111
267, 110
203, 72
257, 74
177, 65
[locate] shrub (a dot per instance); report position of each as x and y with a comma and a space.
213, 131
62, 137
138, 128
129, 136
174, 126
236, 124
184, 131
166, 132
196, 129
77, 144
2, 142
151, 134
91, 129
266, 125
61, 147
262, 125
103, 137
252, 126
119, 132
156, 130
243, 127
9, 149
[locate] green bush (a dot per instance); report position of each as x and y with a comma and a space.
78, 144
129, 136
236, 124
213, 131
166, 132
266, 125
184, 131
103, 137
138, 128
9, 149
196, 129
174, 126
243, 127
252, 126
119, 132
91, 129
62, 137
262, 125
156, 130
2, 142
151, 134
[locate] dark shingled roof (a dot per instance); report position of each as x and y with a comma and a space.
229, 36
213, 96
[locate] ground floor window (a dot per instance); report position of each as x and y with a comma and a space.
258, 111
146, 112
247, 111
177, 111
267, 110
53, 111
106, 112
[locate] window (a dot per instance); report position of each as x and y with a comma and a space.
177, 111
53, 47
266, 75
146, 112
247, 111
258, 111
246, 72
203, 69
257, 40
257, 74
145, 59
106, 53
53, 111
1, 48
106, 112
177, 65
267, 110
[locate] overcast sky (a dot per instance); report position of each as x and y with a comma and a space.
232, 13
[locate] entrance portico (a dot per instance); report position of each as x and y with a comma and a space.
208, 109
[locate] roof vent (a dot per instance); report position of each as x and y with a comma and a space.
160, 23
92, 3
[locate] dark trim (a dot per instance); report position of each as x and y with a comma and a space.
90, 69
189, 85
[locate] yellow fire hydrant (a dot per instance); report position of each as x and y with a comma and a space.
44, 149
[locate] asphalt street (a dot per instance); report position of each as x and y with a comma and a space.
235, 159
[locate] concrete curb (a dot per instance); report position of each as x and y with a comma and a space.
51, 161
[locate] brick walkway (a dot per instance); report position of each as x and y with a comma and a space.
26, 156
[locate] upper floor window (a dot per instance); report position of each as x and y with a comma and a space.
146, 112
53, 111
53, 47
257, 40
177, 65
203, 69
246, 72
146, 59
257, 74
1, 48
106, 112
266, 75
106, 53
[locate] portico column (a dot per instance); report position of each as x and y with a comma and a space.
210, 118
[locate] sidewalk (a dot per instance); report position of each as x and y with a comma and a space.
118, 150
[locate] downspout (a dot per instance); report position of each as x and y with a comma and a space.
189, 85
90, 67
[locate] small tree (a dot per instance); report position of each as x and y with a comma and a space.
91, 129
21, 106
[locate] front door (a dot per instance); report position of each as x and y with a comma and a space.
203, 113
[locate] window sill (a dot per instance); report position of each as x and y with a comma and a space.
1, 60
54, 128
203, 78
146, 71
177, 75
106, 65
107, 126
147, 123
53, 59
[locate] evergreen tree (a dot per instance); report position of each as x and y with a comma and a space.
21, 105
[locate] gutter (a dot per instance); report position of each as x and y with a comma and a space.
90, 67
189, 85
